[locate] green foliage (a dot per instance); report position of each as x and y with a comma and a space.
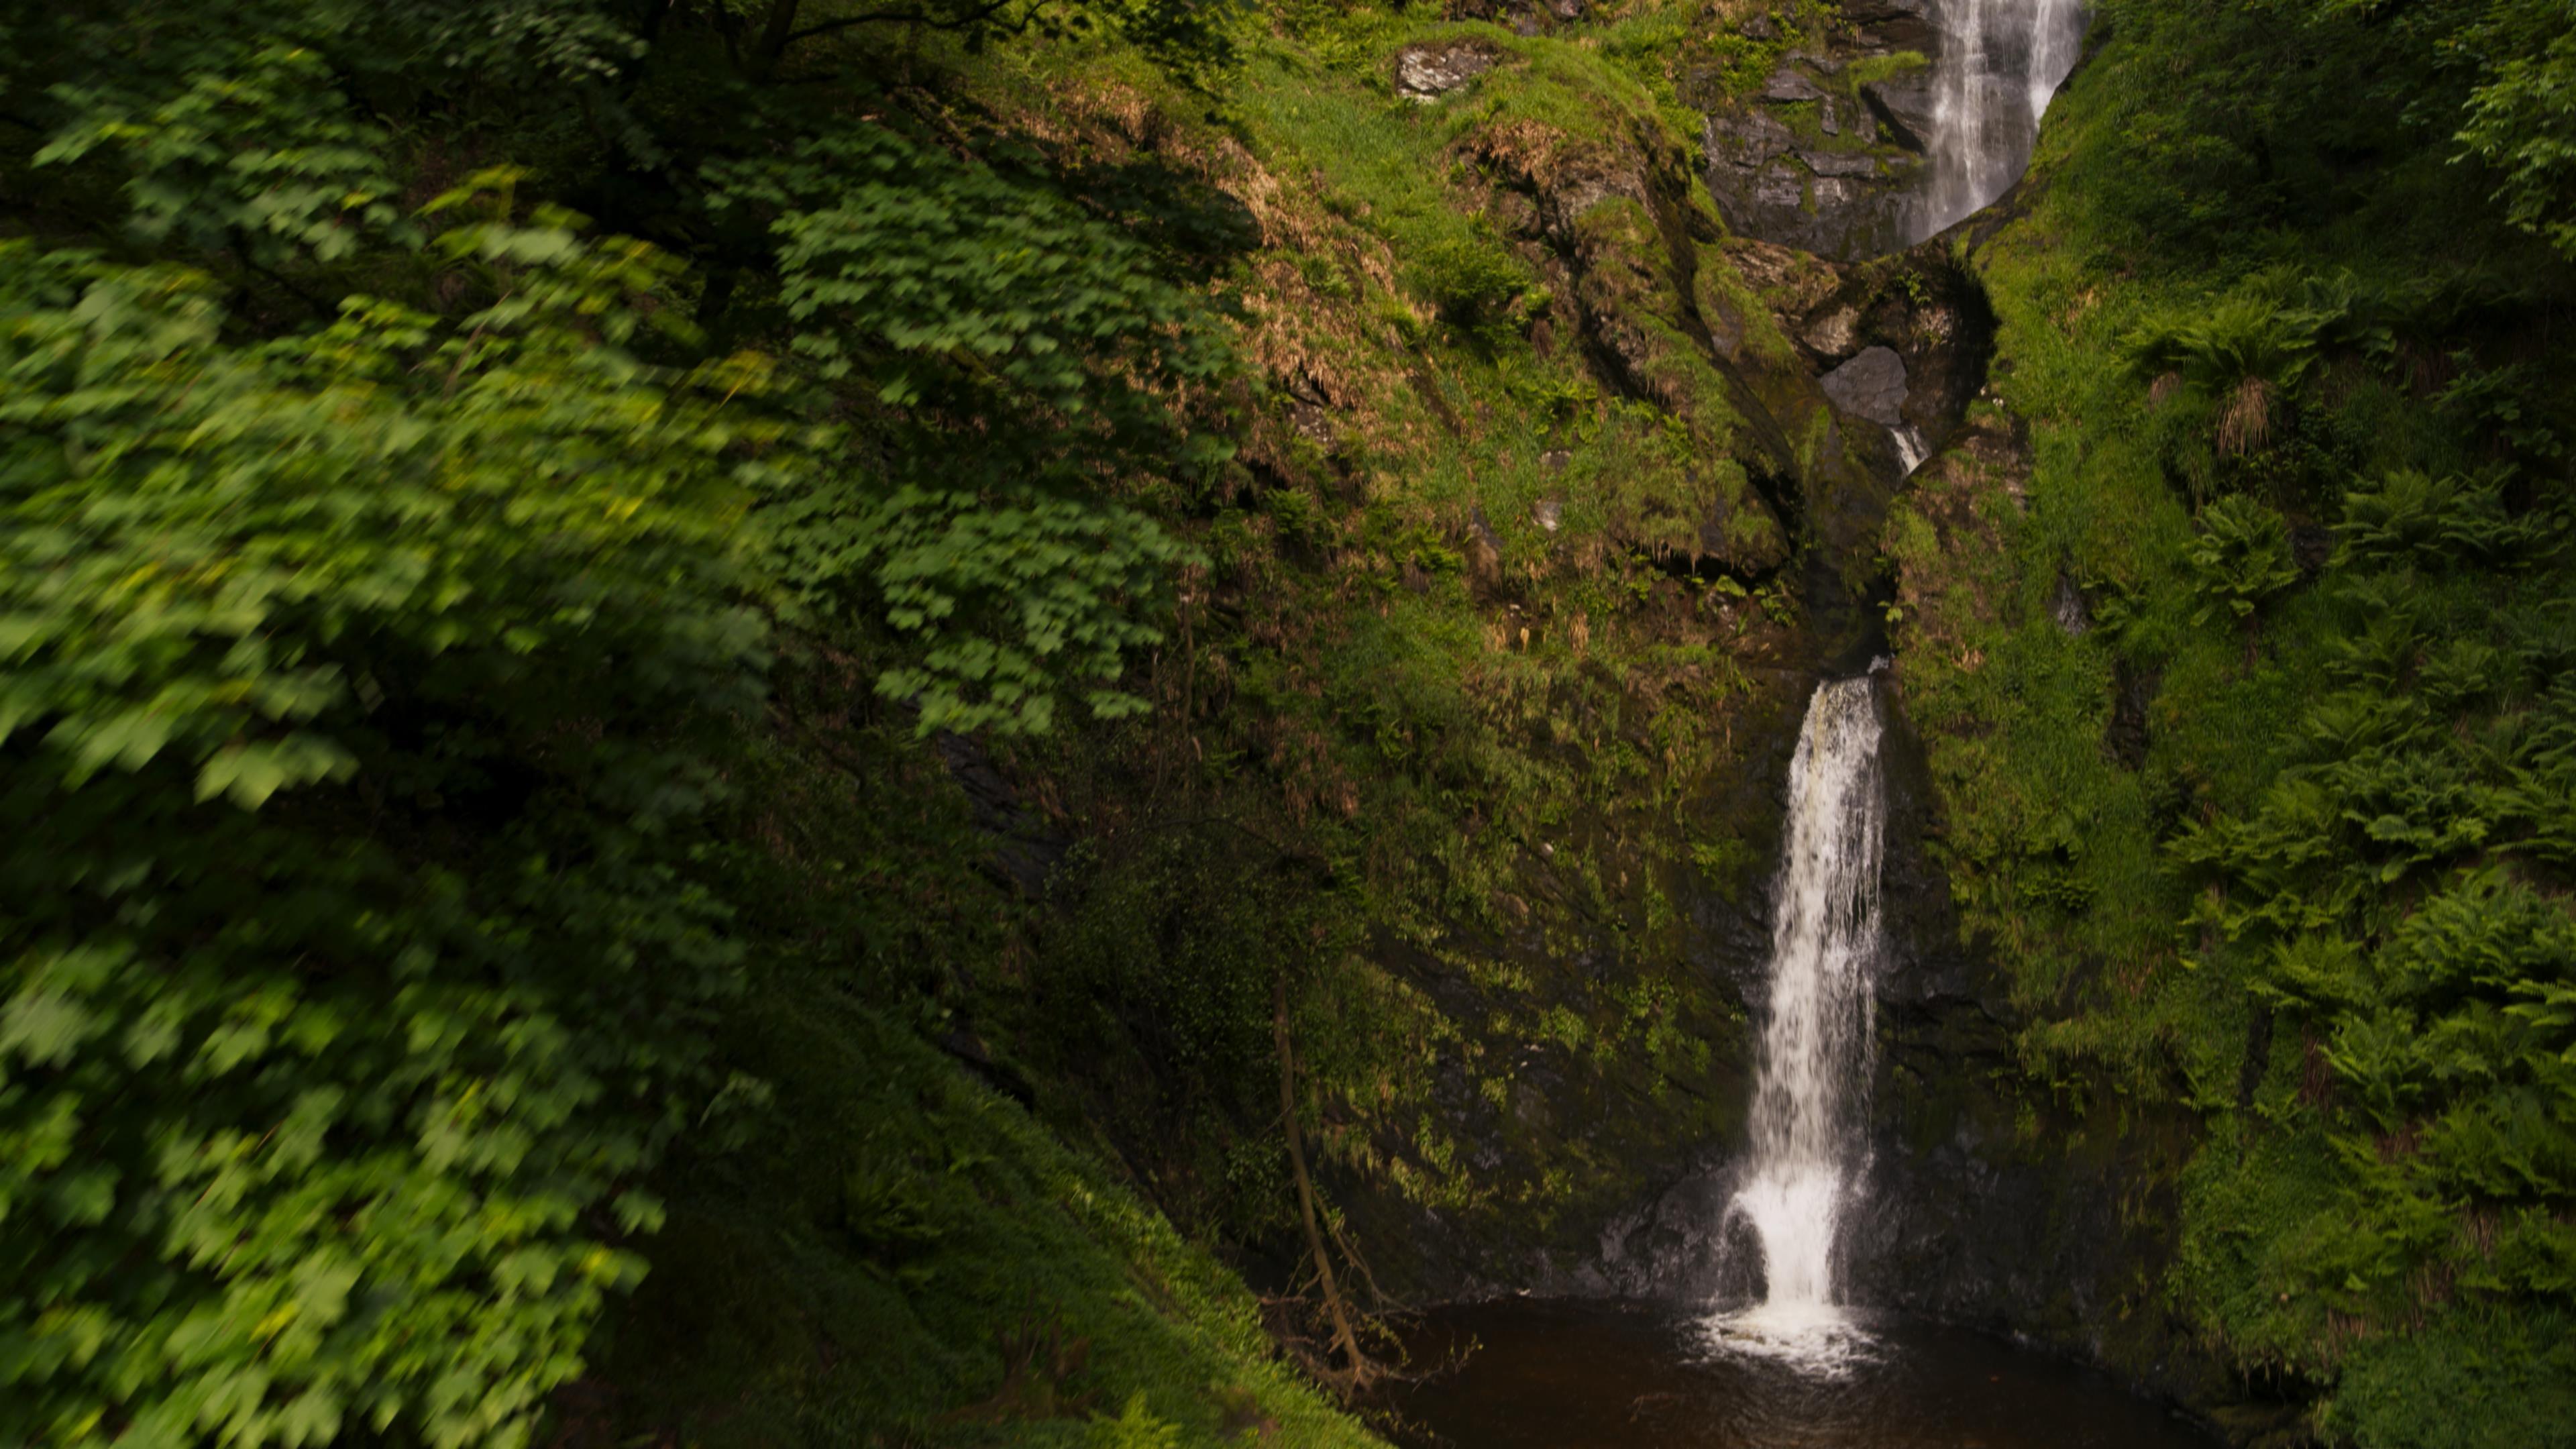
2508, 1377
363, 687
1026, 359
2449, 522
1471, 279
262, 154
1134, 1428
2356, 835
2241, 559
2521, 118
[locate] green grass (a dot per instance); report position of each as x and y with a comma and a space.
889, 1252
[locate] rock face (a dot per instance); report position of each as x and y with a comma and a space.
1427, 72
1825, 156
1984, 1207
1903, 108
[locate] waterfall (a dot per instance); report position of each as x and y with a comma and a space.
1805, 1163
2000, 62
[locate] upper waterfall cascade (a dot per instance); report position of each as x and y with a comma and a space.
2001, 61
1807, 1155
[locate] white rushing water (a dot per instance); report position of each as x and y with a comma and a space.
1806, 1158
1910, 451
2000, 62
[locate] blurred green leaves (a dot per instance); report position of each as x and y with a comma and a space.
362, 690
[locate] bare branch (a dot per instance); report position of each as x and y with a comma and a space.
967, 21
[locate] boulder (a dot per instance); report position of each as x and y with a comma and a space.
1790, 84
1834, 335
1430, 70
1871, 385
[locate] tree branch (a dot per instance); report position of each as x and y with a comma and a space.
967, 21
1361, 1371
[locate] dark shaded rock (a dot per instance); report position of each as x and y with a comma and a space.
2311, 547
1566, 9
1871, 385
1903, 106
970, 1051
2125, 735
1026, 847
1434, 69
1759, 27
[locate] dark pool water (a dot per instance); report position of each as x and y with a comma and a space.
1558, 1375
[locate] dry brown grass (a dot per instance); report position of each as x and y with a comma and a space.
2245, 424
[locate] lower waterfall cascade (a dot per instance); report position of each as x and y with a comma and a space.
2001, 62
1807, 1159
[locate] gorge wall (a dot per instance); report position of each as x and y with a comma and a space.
1584, 444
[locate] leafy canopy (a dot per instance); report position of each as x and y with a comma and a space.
362, 690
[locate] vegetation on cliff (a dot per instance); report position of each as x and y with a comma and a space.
534, 529
2254, 723
706, 702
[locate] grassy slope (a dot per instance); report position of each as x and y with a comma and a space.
898, 1254
867, 1244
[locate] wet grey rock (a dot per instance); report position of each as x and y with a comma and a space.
1833, 202
1830, 202
1840, 163
1791, 85
1871, 385
1903, 105
1751, 138
1425, 72
1781, 186
1760, 27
